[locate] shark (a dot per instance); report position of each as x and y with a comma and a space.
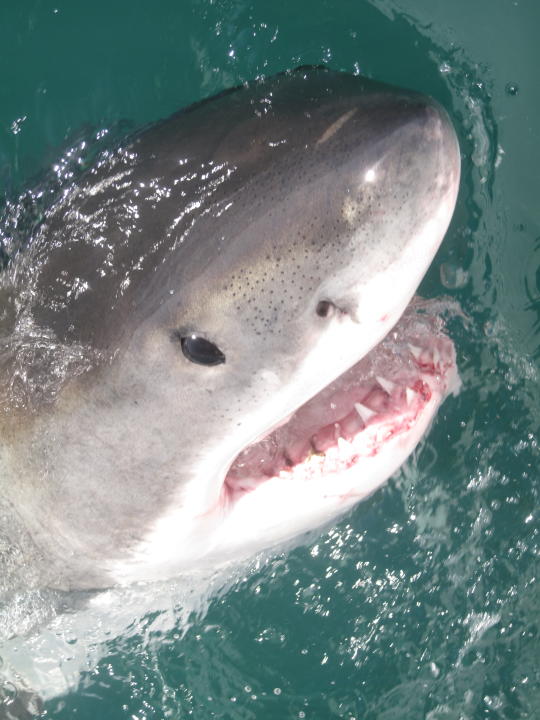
208, 346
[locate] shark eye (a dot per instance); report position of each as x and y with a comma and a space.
201, 351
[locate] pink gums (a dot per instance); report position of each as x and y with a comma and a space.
380, 397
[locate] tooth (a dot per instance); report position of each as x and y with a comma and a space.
416, 351
436, 356
365, 413
386, 385
343, 445
249, 484
410, 394
285, 474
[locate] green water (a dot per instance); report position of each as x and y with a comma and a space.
423, 602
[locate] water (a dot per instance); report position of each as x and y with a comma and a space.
422, 603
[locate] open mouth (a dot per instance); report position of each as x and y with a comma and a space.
383, 403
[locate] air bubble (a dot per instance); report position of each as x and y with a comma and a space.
511, 89
452, 276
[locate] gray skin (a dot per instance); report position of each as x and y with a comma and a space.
231, 219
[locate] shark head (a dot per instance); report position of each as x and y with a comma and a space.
244, 268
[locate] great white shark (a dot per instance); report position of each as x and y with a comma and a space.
205, 349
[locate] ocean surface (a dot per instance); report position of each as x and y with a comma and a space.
422, 602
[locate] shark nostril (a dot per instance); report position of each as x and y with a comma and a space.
325, 308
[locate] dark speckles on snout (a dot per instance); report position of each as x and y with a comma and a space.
275, 288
